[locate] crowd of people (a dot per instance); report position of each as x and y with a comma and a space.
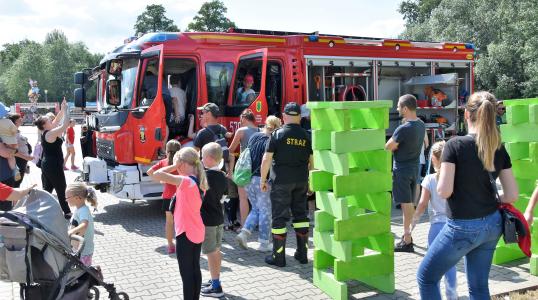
200, 196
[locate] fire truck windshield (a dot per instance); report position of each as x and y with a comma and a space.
128, 79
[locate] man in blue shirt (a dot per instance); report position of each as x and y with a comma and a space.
406, 144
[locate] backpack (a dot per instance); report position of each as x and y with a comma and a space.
221, 140
243, 169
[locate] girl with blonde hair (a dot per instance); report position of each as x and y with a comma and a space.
474, 223
77, 194
172, 147
191, 182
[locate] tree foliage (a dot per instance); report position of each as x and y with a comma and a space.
153, 19
504, 31
52, 64
211, 17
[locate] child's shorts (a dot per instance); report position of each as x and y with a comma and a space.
213, 239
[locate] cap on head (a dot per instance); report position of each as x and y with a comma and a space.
210, 107
292, 109
3, 110
248, 79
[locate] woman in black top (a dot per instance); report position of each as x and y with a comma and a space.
52, 173
474, 224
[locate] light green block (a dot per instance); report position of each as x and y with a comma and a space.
350, 104
525, 169
321, 181
379, 202
370, 118
342, 164
323, 221
519, 133
330, 119
527, 101
336, 207
326, 282
357, 140
533, 151
361, 267
517, 150
517, 114
525, 186
361, 226
361, 183
534, 265
376, 160
321, 140
383, 243
322, 259
533, 113
339, 249
507, 253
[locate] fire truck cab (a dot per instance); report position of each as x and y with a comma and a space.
133, 82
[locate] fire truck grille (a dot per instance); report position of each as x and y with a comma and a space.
105, 149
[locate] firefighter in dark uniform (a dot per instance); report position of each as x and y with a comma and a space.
289, 152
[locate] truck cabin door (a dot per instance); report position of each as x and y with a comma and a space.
248, 87
149, 122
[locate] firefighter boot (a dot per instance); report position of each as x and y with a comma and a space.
278, 257
302, 247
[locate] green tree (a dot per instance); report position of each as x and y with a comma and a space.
417, 11
504, 32
211, 17
153, 19
30, 63
60, 65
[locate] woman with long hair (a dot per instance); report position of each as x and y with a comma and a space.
474, 223
260, 215
52, 161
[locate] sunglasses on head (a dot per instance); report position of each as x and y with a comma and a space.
501, 108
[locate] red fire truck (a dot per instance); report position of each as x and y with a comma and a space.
131, 131
31, 111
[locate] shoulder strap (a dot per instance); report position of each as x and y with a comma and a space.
494, 186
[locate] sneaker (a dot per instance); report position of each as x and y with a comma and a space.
210, 291
171, 249
242, 239
207, 284
265, 247
74, 168
402, 246
65, 168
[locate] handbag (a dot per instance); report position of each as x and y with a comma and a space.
515, 228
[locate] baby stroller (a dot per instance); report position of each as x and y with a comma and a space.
35, 251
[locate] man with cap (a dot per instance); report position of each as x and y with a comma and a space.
289, 153
246, 94
212, 131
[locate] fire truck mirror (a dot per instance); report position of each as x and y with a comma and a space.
80, 78
80, 97
113, 92
114, 66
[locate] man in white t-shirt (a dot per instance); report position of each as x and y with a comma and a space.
179, 99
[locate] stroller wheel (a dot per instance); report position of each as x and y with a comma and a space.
123, 296
93, 293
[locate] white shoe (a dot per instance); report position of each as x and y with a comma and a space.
265, 247
242, 238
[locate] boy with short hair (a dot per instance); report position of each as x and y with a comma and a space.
213, 216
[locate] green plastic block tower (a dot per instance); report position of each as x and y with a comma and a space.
520, 136
352, 181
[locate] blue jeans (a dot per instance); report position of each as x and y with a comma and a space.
451, 284
473, 239
260, 214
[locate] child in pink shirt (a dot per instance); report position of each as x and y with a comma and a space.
189, 227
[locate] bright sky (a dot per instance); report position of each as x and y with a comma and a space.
104, 24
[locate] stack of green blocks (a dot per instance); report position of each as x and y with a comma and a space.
520, 136
352, 181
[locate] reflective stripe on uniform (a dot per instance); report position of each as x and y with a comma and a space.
278, 231
301, 225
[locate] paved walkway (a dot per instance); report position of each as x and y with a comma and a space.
130, 248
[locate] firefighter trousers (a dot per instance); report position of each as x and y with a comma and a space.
285, 198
